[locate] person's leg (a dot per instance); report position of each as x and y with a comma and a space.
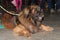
33, 1
20, 4
42, 4
40, 1
58, 6
49, 4
17, 4
29, 2
53, 3
50, 7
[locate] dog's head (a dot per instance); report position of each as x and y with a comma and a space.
36, 12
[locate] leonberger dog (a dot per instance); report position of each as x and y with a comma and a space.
31, 19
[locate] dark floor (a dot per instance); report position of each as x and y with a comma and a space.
53, 21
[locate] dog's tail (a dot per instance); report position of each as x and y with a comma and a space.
9, 12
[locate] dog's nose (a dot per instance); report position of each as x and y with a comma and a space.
40, 18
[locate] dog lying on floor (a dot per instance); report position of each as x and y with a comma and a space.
27, 18
31, 17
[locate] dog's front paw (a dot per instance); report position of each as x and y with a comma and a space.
46, 28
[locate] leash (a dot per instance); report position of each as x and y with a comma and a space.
10, 12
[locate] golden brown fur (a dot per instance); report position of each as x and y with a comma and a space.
21, 30
6, 20
46, 28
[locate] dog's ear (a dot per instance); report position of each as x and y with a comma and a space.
26, 11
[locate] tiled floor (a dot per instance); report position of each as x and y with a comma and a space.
52, 21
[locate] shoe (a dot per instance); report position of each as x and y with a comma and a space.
52, 11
